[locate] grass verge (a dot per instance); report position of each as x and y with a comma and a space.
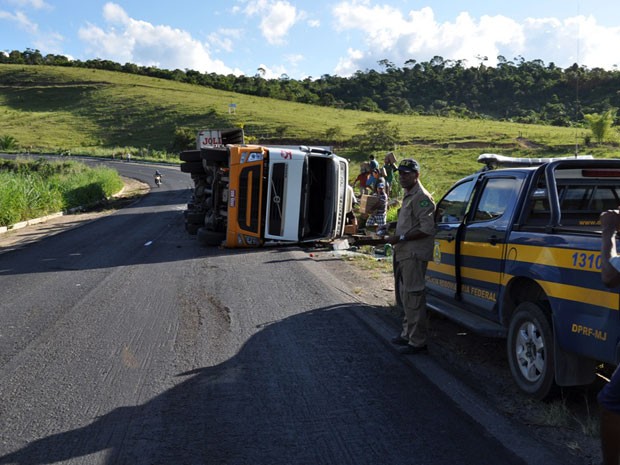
29, 189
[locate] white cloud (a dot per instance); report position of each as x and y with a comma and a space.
277, 18
574, 40
223, 39
388, 34
114, 13
271, 73
125, 39
350, 62
22, 21
36, 4
51, 42
294, 59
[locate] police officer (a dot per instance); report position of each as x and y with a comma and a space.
413, 248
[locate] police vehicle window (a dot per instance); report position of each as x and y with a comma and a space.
595, 198
607, 198
453, 206
581, 205
575, 198
497, 196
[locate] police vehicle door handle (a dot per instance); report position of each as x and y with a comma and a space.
493, 239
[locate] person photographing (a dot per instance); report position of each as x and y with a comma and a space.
609, 397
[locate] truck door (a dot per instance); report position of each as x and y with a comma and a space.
483, 240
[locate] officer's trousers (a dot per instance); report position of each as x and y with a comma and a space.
409, 281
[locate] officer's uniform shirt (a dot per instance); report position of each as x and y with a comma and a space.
416, 214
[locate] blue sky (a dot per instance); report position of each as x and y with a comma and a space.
310, 38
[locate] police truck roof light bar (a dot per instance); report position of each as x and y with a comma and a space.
495, 161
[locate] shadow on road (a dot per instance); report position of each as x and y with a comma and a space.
303, 390
119, 239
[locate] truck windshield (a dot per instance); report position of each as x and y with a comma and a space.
318, 197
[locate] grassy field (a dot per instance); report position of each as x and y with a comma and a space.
83, 111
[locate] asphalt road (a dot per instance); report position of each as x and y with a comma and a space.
125, 342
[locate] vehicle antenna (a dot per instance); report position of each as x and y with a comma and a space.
577, 103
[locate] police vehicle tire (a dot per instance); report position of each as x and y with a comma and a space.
530, 350
210, 238
190, 155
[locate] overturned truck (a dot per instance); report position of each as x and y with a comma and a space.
253, 195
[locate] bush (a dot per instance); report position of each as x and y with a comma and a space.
32, 189
184, 139
8, 143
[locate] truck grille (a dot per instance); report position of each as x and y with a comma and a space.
276, 199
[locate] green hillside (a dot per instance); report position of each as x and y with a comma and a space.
52, 109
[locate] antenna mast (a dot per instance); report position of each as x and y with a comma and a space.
577, 105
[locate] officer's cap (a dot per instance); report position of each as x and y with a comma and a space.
409, 165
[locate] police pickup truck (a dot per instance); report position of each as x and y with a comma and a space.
517, 255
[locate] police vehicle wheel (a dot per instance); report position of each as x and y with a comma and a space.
530, 350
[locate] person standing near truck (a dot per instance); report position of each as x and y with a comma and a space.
374, 164
389, 167
362, 179
413, 244
378, 214
609, 397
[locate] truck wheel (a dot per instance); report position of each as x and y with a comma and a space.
214, 155
208, 237
192, 229
195, 217
190, 155
530, 350
192, 167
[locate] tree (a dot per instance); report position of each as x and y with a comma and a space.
333, 134
601, 124
377, 135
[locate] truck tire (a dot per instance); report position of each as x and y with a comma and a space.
214, 155
195, 217
530, 350
210, 238
190, 155
192, 228
192, 167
